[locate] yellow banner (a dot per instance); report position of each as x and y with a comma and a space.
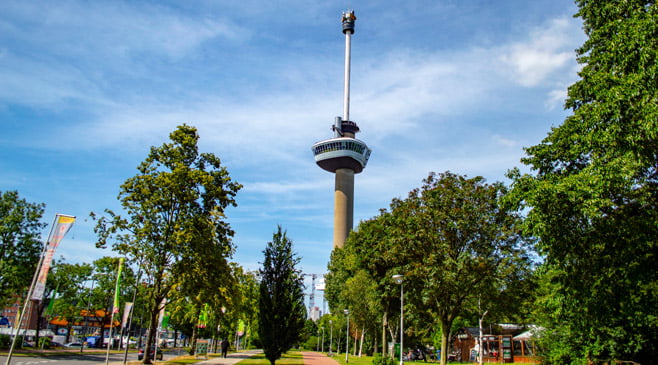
61, 226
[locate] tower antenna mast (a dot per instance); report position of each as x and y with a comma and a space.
348, 30
343, 155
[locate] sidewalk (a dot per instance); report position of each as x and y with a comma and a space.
231, 358
318, 358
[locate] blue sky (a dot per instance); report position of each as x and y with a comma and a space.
87, 87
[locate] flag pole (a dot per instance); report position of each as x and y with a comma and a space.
29, 294
27, 301
115, 309
130, 318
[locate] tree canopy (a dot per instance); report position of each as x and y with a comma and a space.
281, 302
20, 248
453, 242
592, 200
175, 218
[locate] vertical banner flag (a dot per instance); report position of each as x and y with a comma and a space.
161, 317
126, 313
117, 288
203, 317
165, 320
51, 304
17, 323
61, 226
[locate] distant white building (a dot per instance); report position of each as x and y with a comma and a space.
315, 314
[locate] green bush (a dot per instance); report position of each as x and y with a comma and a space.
311, 343
5, 341
382, 360
44, 342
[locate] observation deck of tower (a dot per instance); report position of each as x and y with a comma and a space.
343, 155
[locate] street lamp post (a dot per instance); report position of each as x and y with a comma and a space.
398, 280
347, 337
322, 339
331, 337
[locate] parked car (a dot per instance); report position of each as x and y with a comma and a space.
140, 354
73, 345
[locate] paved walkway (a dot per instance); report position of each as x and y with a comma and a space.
310, 358
318, 358
231, 358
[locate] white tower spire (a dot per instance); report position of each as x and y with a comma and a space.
343, 155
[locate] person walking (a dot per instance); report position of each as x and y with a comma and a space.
224, 347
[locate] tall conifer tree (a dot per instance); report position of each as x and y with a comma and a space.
281, 302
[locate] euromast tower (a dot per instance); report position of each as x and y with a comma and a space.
343, 155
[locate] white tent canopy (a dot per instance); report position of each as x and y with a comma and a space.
24, 332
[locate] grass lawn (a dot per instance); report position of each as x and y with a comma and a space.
353, 360
367, 360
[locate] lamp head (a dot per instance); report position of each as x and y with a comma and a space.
398, 278
346, 311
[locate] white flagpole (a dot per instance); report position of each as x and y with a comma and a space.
114, 306
29, 294
109, 339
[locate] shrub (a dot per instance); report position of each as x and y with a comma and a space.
5, 341
311, 343
44, 342
382, 360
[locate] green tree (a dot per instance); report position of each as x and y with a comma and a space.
368, 253
592, 198
175, 217
453, 242
101, 285
247, 304
217, 290
72, 296
20, 247
281, 302
350, 286
459, 245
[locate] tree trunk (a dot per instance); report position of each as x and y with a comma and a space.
393, 331
363, 332
68, 331
193, 341
480, 357
40, 308
384, 320
445, 333
153, 329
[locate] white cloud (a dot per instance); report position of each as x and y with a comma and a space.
556, 98
548, 48
120, 29
89, 51
505, 142
100, 82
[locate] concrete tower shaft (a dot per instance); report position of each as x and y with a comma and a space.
343, 205
343, 155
